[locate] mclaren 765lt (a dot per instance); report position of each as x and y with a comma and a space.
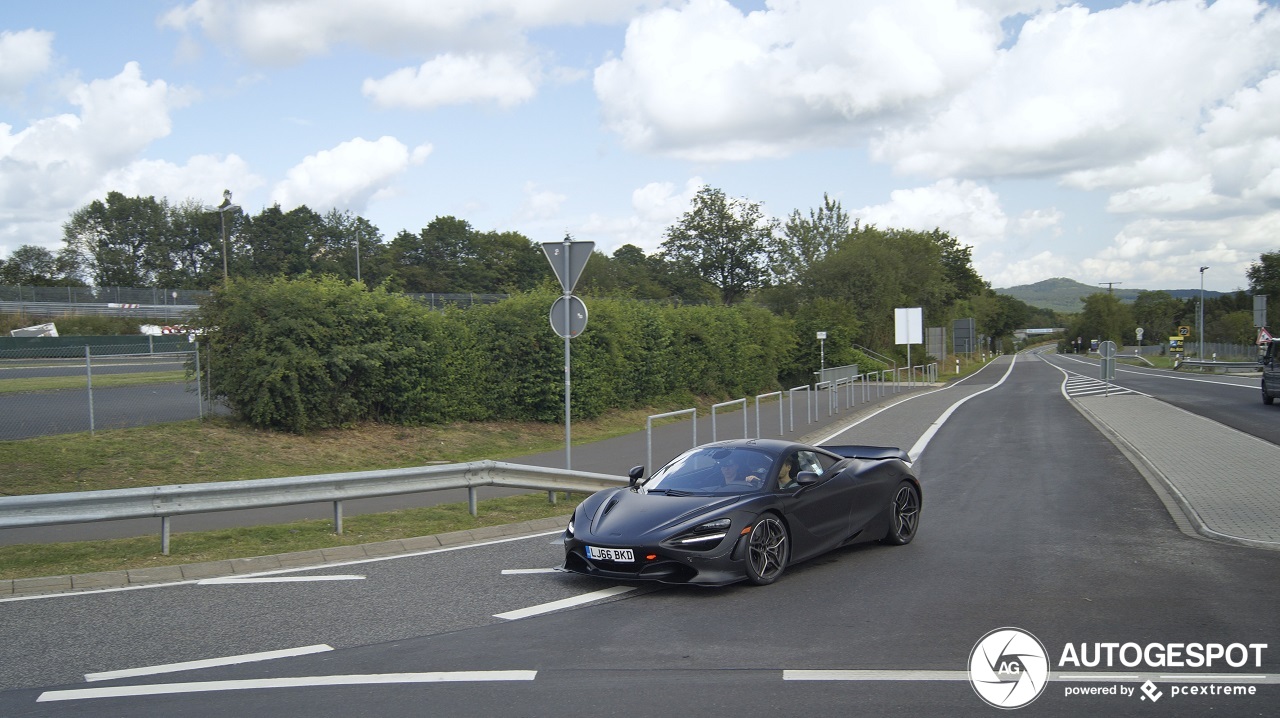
743, 509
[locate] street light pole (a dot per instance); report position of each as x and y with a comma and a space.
357, 254
222, 213
1201, 356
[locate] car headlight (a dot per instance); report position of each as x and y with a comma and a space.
568, 531
704, 535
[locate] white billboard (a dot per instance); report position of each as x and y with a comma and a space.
908, 324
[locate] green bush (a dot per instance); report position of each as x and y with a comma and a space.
317, 352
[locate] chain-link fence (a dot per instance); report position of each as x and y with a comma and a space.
102, 387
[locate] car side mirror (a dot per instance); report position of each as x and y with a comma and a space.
634, 474
805, 478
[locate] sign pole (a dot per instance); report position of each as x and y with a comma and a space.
568, 450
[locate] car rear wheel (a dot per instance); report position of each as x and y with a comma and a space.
904, 515
1267, 398
768, 549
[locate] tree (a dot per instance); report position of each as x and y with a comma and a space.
1264, 278
805, 241
119, 242
278, 243
1104, 318
37, 266
1157, 314
721, 240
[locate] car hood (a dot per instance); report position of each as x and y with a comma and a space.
624, 513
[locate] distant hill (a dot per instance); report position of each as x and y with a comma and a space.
1067, 295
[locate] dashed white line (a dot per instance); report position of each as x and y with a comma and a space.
207, 663
520, 571
157, 689
276, 579
564, 603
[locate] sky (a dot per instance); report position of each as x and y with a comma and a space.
1110, 142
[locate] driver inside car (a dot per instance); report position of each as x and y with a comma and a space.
733, 471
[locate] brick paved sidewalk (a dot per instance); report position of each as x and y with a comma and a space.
1226, 481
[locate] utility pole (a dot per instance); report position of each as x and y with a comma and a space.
1109, 286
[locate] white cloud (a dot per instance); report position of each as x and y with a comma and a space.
56, 162
24, 56
969, 211
708, 82
1002, 272
541, 203
1039, 222
656, 206
450, 79
347, 176
202, 178
286, 31
1082, 90
1161, 253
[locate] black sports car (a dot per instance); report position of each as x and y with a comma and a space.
743, 509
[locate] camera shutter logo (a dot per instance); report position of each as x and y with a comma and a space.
1008, 668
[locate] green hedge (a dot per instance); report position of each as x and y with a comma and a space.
314, 353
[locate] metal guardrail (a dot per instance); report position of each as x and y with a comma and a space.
1226, 366
164, 502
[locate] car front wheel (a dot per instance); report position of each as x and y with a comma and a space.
904, 515
768, 549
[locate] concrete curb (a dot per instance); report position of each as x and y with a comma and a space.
1179, 508
181, 573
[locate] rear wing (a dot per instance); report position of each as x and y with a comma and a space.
871, 453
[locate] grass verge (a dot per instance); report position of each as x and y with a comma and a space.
101, 381
35, 560
221, 450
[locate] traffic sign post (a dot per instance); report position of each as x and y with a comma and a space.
1108, 365
568, 317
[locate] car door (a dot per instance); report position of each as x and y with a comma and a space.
818, 514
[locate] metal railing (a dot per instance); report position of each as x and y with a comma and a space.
164, 502
1214, 366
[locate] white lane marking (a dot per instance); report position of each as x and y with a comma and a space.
564, 603
519, 571
1060, 676
313, 567
158, 689
927, 436
207, 663
874, 675
883, 409
276, 579
1168, 374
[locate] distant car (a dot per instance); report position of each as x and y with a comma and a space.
1271, 373
743, 510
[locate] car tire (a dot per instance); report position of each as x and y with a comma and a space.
1267, 398
768, 550
904, 514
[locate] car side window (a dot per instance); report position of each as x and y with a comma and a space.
809, 461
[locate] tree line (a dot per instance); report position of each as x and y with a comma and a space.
821, 268
1228, 318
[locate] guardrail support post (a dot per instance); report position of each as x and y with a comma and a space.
471, 500
164, 535
337, 517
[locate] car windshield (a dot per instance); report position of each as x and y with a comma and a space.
708, 471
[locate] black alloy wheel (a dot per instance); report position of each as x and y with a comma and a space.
904, 515
768, 549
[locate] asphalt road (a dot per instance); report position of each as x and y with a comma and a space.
1031, 519
30, 414
1233, 400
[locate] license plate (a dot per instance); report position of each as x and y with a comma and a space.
623, 555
